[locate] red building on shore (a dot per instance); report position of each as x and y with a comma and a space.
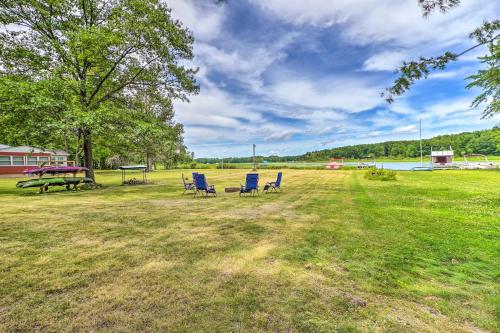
14, 160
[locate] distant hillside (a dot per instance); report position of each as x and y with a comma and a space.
480, 142
485, 142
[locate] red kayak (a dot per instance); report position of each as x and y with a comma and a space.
54, 169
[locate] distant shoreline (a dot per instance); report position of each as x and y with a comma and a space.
365, 160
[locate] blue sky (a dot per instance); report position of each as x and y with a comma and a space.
296, 76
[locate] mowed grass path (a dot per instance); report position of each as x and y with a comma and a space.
332, 252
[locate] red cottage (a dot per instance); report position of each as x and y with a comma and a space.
14, 160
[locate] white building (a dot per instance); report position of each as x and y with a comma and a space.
442, 159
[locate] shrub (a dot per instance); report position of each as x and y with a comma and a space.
192, 166
202, 166
349, 167
272, 166
380, 174
227, 166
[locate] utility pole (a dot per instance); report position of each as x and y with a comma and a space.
421, 153
254, 161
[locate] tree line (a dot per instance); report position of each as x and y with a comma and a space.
485, 142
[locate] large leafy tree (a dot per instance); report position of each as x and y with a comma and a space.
154, 134
98, 52
488, 79
25, 106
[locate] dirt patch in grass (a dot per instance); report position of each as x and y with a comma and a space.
247, 260
156, 265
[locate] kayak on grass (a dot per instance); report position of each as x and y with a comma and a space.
54, 181
54, 170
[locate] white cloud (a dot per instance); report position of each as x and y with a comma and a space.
474, 54
447, 107
350, 94
279, 136
328, 142
460, 73
397, 26
453, 115
203, 19
401, 106
213, 108
405, 129
385, 61
244, 63
373, 134
384, 118
443, 75
196, 136
396, 21
215, 116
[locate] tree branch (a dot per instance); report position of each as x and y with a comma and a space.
416, 70
120, 87
428, 6
111, 70
84, 13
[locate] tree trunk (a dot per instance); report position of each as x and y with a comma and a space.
66, 149
89, 159
149, 161
78, 146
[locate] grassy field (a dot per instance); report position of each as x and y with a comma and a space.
333, 252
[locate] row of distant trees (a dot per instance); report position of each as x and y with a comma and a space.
485, 142
479, 142
259, 159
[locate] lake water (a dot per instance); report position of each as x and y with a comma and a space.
403, 166
394, 165
380, 165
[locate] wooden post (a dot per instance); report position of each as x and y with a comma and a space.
254, 161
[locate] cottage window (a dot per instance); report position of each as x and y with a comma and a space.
32, 160
4, 160
17, 160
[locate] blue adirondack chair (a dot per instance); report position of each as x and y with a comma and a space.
274, 186
251, 185
202, 187
188, 186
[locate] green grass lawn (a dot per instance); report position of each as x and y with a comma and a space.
333, 252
